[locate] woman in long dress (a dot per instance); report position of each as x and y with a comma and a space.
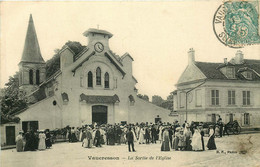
196, 141
176, 138
89, 138
160, 133
182, 141
188, 136
48, 139
19, 142
73, 135
165, 141
141, 136
211, 143
123, 136
42, 138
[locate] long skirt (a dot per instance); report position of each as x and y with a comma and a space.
48, 143
141, 139
19, 145
90, 143
211, 143
188, 146
42, 145
85, 143
196, 144
73, 137
165, 146
175, 143
123, 139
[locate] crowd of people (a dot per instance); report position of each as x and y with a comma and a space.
186, 137
33, 140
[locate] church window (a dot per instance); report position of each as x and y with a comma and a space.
37, 77
90, 79
106, 80
31, 77
98, 76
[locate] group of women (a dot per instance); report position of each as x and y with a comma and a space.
33, 140
184, 140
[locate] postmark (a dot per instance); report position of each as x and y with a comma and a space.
236, 24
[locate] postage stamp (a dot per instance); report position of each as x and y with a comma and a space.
236, 23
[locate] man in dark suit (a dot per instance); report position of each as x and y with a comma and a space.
153, 134
130, 139
98, 138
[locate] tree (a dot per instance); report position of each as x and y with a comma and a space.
53, 65
12, 101
144, 97
157, 100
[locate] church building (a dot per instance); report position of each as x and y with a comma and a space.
94, 85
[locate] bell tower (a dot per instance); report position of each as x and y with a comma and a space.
32, 67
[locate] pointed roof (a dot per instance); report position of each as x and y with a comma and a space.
31, 51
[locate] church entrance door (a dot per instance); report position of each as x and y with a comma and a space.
99, 114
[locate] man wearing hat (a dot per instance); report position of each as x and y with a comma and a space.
130, 139
98, 137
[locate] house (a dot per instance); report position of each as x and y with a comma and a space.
230, 90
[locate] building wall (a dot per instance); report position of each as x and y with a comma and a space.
143, 111
47, 114
205, 111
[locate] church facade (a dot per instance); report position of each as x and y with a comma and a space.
94, 85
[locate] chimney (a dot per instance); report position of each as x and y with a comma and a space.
239, 59
225, 61
191, 56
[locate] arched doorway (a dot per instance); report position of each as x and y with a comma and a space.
99, 114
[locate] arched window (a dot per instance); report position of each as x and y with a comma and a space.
106, 80
90, 79
98, 76
37, 77
31, 77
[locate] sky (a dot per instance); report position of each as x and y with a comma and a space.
157, 35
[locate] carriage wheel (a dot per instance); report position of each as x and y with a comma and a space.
230, 130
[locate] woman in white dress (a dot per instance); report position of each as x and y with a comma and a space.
196, 141
42, 137
160, 133
141, 136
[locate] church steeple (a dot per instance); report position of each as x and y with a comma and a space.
32, 68
31, 51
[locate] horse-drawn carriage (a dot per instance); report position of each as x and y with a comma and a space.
233, 127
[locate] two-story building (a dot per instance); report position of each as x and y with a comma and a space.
230, 89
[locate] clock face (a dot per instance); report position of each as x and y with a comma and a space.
99, 47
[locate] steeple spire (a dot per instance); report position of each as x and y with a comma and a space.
31, 51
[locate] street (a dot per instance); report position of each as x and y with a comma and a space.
236, 150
